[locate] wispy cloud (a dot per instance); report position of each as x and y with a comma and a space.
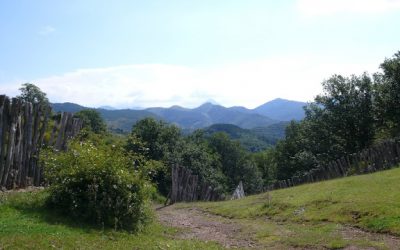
46, 30
330, 7
249, 84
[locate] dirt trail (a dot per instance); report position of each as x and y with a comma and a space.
390, 241
204, 226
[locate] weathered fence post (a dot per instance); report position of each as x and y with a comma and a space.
22, 129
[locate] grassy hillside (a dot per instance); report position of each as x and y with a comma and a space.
26, 224
313, 215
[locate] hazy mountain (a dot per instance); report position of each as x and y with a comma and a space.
282, 110
107, 108
209, 114
200, 117
67, 107
121, 119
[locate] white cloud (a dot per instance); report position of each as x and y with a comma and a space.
249, 84
46, 30
330, 7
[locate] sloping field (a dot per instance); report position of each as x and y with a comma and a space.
371, 202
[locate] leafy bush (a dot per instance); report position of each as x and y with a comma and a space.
96, 185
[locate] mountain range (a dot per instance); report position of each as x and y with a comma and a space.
203, 116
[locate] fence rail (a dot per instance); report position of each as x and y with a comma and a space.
23, 126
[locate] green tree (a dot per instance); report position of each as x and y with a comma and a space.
92, 120
159, 138
348, 110
388, 97
340, 122
265, 162
292, 155
236, 163
157, 141
195, 154
31, 93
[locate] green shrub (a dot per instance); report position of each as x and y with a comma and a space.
97, 185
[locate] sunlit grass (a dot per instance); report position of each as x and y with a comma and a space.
368, 201
319, 215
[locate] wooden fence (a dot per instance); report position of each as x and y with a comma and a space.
384, 155
187, 187
22, 134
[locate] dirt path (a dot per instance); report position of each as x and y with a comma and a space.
204, 226
390, 241
197, 224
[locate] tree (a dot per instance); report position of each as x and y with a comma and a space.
340, 122
265, 161
348, 110
387, 96
92, 120
158, 137
237, 165
31, 93
292, 154
157, 141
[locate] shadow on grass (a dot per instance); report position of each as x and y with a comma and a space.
33, 205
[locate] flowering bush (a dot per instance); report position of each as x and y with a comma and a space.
97, 185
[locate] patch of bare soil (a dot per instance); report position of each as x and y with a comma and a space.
206, 227
351, 233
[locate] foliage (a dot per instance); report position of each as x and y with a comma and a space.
92, 120
158, 137
265, 162
196, 155
216, 159
340, 122
33, 94
347, 103
156, 141
236, 164
387, 86
97, 185
253, 140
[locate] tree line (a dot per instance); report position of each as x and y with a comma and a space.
350, 115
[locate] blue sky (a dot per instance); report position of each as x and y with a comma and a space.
162, 53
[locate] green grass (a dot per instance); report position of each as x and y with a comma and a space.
26, 224
371, 202
317, 215
308, 216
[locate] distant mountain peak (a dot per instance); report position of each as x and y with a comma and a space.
107, 107
177, 107
282, 109
207, 104
212, 101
